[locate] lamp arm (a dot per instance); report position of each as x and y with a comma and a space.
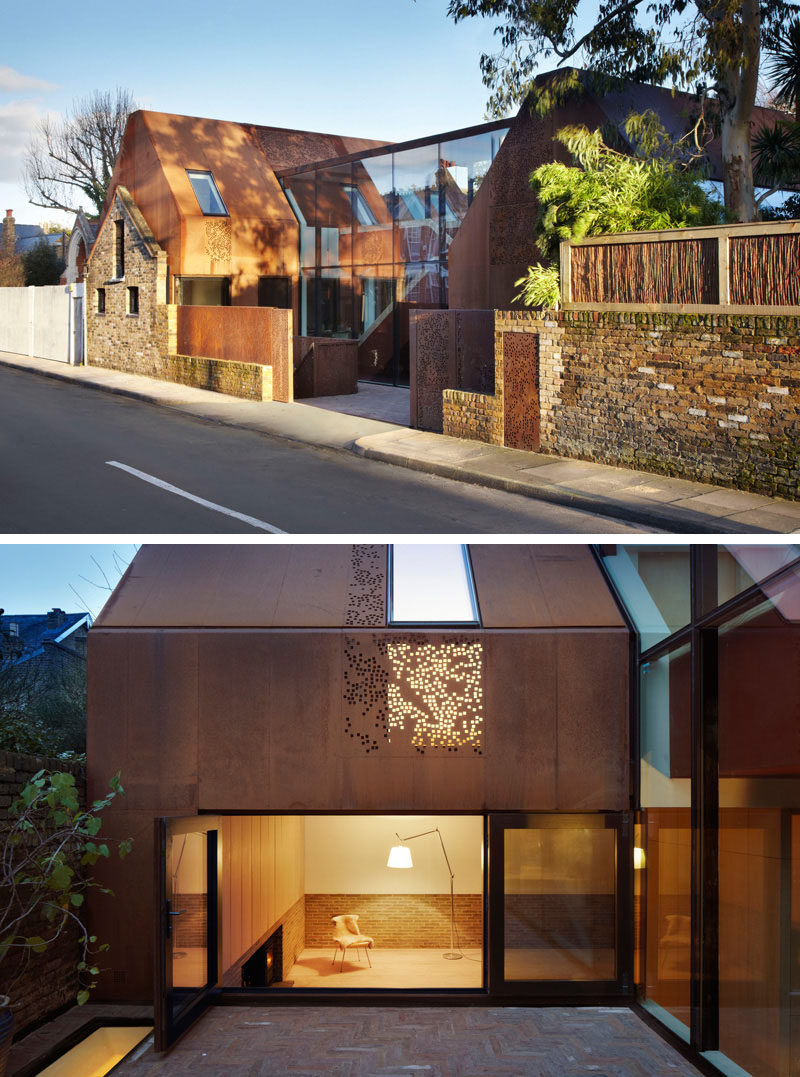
441, 839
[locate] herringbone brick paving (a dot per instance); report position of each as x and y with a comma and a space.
416, 1042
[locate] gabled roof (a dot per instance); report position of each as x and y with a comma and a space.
34, 235
33, 630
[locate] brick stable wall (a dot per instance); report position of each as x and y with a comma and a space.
397, 921
48, 981
710, 397
137, 343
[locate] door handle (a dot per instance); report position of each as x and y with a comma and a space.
171, 913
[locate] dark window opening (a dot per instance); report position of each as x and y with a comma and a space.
101, 300
133, 301
204, 291
119, 248
275, 292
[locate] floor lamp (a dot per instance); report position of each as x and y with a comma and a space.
400, 857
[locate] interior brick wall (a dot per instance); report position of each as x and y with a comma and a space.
38, 984
293, 922
708, 397
397, 921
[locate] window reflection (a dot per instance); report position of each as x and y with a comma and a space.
653, 582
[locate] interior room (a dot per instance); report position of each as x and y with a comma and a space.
312, 902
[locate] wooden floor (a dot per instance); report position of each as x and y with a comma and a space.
421, 969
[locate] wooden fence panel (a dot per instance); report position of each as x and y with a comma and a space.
672, 271
765, 269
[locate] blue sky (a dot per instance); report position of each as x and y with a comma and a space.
34, 578
392, 71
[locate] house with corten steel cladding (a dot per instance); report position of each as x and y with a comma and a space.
522, 773
349, 234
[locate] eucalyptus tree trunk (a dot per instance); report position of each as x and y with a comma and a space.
738, 84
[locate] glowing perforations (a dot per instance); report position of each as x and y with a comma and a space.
408, 692
367, 587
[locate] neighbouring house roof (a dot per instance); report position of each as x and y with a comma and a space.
27, 236
34, 630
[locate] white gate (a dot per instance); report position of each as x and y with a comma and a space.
46, 322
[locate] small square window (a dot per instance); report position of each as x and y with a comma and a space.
101, 300
133, 301
207, 193
119, 249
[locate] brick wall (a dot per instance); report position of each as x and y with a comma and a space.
397, 921
293, 922
46, 981
250, 381
710, 397
137, 343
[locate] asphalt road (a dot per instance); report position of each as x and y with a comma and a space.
61, 446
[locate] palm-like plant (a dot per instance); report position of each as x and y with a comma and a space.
784, 68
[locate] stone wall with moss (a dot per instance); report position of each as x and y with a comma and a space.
710, 397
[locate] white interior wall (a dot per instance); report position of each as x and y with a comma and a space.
347, 854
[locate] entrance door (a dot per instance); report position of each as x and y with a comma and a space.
186, 925
560, 921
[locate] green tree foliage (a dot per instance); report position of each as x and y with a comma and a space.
776, 147
784, 67
46, 847
690, 44
607, 191
42, 264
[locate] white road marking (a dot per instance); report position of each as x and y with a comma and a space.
197, 500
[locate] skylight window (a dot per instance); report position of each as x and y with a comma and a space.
207, 193
361, 210
432, 584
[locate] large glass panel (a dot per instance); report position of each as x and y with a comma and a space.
653, 582
739, 566
464, 163
374, 288
204, 291
759, 795
335, 197
432, 584
559, 903
335, 303
300, 192
188, 862
373, 200
665, 859
416, 183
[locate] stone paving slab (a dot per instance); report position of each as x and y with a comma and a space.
653, 501
383, 1041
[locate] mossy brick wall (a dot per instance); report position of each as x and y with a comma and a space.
712, 397
709, 397
251, 381
136, 343
48, 981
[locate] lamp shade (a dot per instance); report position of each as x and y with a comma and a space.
400, 857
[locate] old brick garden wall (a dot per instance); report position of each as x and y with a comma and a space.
48, 981
710, 397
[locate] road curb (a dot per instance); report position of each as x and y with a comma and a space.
678, 522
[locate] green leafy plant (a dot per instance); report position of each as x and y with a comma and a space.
46, 849
540, 287
607, 191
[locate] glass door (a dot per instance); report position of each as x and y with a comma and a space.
186, 924
560, 905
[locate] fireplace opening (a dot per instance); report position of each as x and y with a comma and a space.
265, 966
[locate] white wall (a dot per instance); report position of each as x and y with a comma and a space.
347, 854
42, 321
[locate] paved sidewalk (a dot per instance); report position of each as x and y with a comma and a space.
637, 497
379, 1041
